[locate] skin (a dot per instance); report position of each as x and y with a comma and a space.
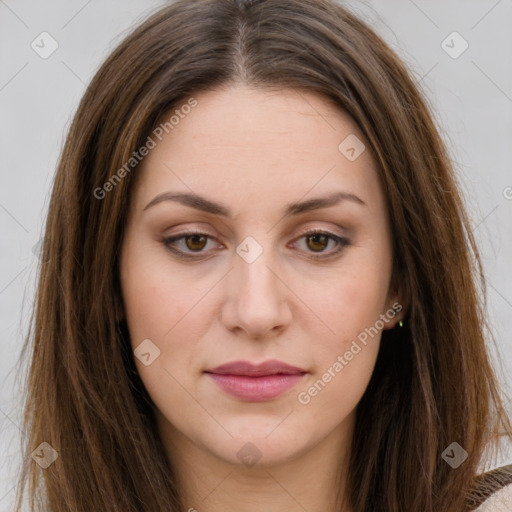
256, 151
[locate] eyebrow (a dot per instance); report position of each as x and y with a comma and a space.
207, 205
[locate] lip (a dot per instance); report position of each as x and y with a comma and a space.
256, 382
270, 367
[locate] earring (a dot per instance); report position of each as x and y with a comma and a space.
400, 323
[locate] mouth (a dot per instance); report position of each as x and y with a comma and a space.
256, 382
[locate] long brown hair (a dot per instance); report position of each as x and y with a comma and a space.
433, 383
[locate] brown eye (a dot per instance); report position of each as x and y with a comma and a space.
195, 242
317, 242
192, 245
188, 245
322, 245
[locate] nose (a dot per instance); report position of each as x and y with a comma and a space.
257, 300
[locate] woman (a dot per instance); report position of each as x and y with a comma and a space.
259, 287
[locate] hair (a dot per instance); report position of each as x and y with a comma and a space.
433, 382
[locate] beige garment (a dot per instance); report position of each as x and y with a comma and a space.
500, 501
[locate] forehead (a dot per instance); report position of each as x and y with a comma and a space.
251, 144
286, 122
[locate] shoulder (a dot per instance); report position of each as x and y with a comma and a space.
495, 490
500, 501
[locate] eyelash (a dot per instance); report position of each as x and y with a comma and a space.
341, 242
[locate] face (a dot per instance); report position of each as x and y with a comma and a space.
257, 232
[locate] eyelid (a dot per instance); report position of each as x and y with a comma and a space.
340, 240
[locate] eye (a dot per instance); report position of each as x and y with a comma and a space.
318, 241
193, 244
193, 241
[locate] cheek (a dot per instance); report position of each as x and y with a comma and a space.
349, 303
158, 306
350, 308
345, 360
163, 305
155, 298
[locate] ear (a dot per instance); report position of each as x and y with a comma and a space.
397, 304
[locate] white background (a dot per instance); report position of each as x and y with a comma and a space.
471, 96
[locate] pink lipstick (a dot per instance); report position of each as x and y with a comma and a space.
256, 382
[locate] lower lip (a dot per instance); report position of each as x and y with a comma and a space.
256, 389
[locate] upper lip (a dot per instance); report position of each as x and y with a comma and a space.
270, 367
